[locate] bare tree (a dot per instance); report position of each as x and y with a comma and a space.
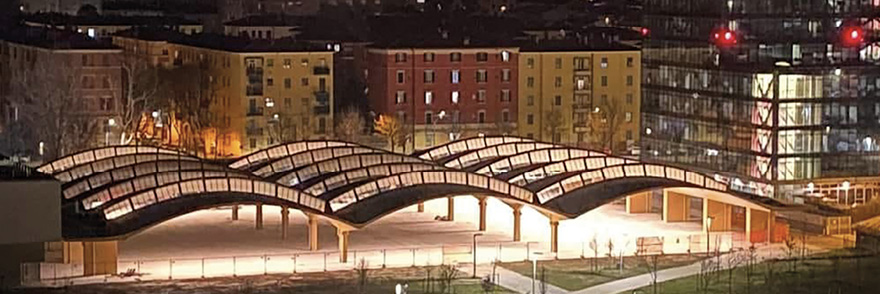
447, 275
604, 123
349, 125
141, 83
651, 264
187, 96
554, 123
707, 274
610, 246
542, 287
594, 246
734, 259
50, 114
751, 262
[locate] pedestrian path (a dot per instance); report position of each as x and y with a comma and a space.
512, 280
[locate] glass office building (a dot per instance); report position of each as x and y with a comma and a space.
770, 95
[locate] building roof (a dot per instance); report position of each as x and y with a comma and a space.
567, 45
272, 20
52, 39
106, 20
222, 42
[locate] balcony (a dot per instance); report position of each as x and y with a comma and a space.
321, 70
581, 106
254, 131
322, 97
255, 111
322, 109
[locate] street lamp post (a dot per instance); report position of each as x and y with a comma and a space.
474, 275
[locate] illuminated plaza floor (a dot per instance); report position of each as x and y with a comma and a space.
212, 233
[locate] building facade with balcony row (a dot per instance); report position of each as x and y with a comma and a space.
262, 92
547, 91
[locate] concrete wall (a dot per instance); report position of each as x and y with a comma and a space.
675, 207
30, 211
720, 214
639, 203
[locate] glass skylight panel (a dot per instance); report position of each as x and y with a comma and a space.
634, 170
478, 180
549, 193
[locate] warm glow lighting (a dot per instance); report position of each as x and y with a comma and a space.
111, 122
724, 37
852, 36
648, 131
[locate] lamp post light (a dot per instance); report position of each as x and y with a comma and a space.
708, 228
110, 124
474, 275
534, 258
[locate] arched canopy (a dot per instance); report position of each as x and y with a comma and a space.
532, 158
306, 158
577, 164
91, 155
111, 163
124, 189
99, 180
638, 171
206, 187
438, 153
364, 174
477, 156
407, 180
283, 150
337, 165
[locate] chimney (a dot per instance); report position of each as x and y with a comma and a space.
467, 41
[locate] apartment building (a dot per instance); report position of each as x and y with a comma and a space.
53, 80
444, 91
588, 96
262, 92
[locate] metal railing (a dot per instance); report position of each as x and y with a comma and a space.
48, 274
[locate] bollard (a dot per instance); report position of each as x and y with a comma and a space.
203, 268
170, 268
233, 266
265, 261
294, 263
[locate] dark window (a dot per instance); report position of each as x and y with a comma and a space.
482, 56
429, 57
455, 56
400, 57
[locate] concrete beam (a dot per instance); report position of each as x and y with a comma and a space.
342, 236
481, 201
258, 218
638, 203
517, 227
675, 206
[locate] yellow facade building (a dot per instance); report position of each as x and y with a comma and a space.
262, 92
580, 96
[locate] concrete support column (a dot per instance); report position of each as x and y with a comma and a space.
749, 225
638, 203
675, 207
421, 207
285, 219
235, 211
517, 213
482, 203
554, 235
342, 236
100, 258
258, 219
313, 232
450, 207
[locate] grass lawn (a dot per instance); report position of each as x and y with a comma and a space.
821, 275
578, 274
379, 282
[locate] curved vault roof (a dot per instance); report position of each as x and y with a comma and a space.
117, 190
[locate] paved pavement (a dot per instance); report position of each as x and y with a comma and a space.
512, 280
522, 284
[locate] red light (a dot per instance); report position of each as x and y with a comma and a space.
852, 36
724, 37
645, 31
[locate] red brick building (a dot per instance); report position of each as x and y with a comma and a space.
442, 93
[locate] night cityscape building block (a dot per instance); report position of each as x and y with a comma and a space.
776, 97
563, 83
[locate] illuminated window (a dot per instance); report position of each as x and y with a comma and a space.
481, 96
505, 56
505, 75
400, 98
455, 56
604, 62
455, 97
505, 95
429, 97
482, 76
429, 76
400, 57
455, 76
482, 56
429, 57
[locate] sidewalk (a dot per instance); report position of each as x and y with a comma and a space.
512, 280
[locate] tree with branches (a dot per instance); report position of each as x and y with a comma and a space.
141, 84
604, 124
349, 125
390, 128
187, 97
554, 124
50, 113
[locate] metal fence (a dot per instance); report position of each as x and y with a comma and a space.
48, 274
